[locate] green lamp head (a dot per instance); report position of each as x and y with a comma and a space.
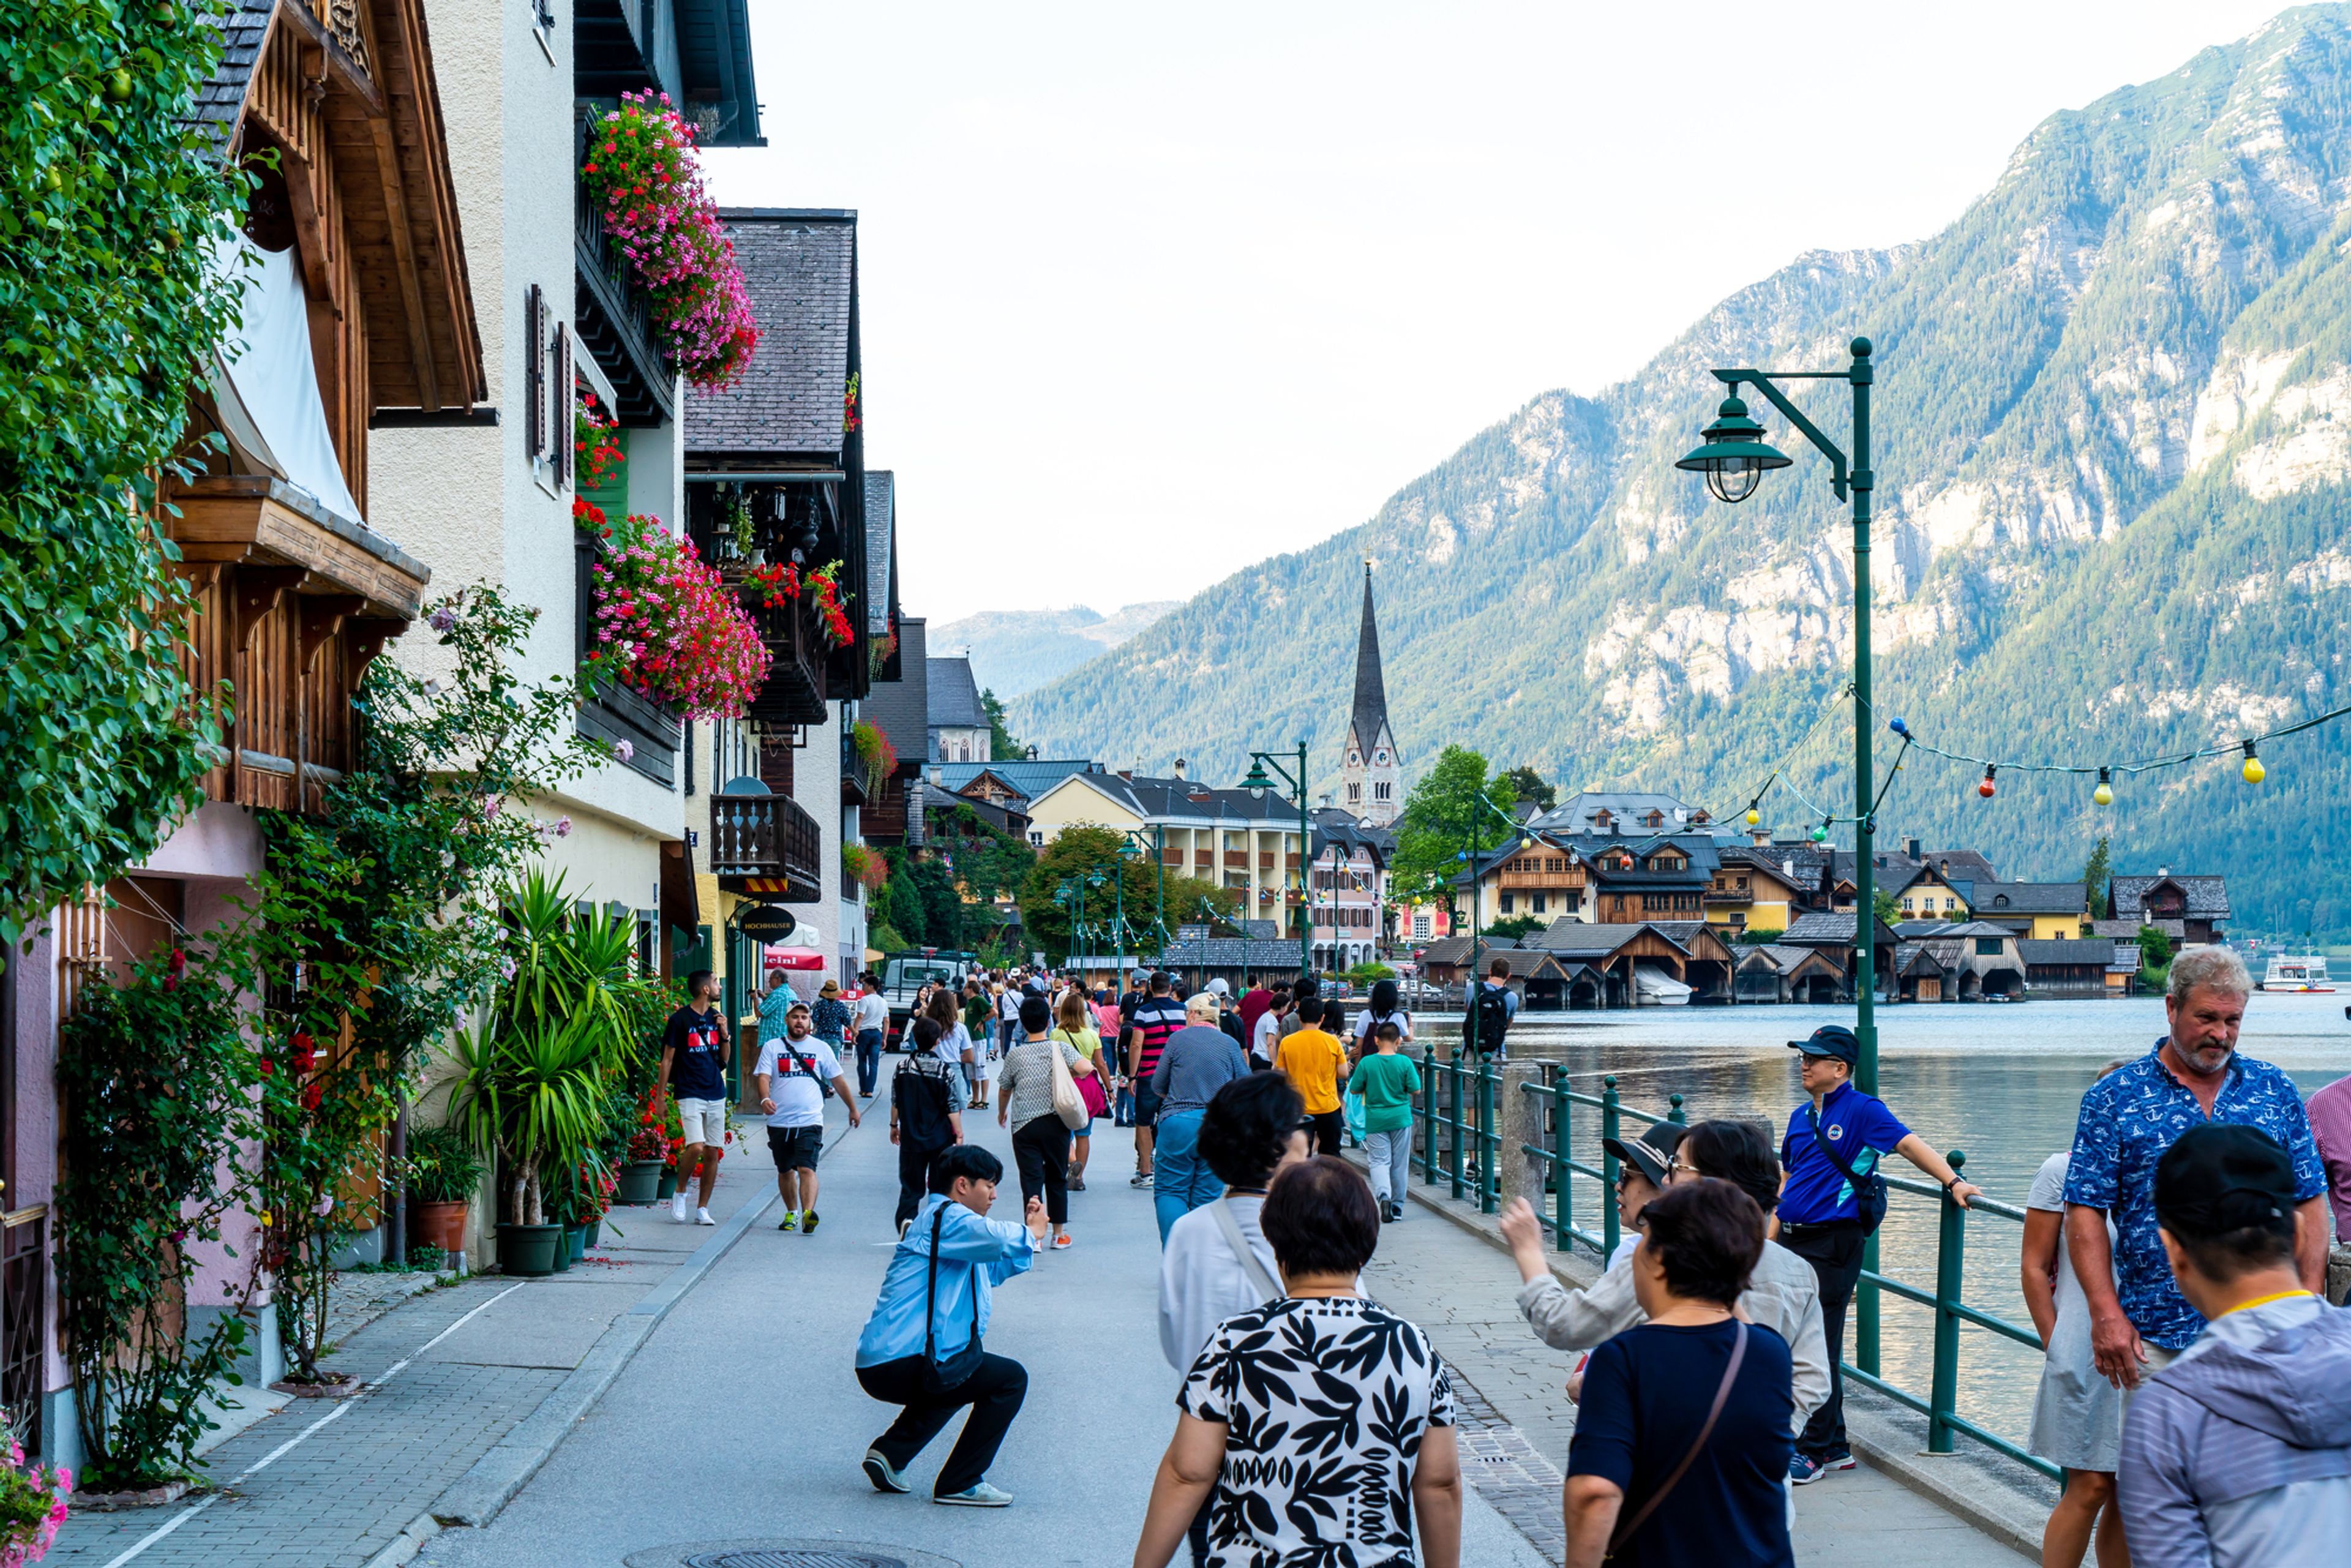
1735, 456
1256, 783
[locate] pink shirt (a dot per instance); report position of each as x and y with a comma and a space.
2330, 1121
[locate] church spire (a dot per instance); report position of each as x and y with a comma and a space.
1371, 714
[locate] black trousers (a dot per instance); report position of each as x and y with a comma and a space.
913, 1179
1326, 1128
1835, 1252
994, 1391
1041, 1147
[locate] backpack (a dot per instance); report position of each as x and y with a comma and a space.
1493, 1015
919, 1090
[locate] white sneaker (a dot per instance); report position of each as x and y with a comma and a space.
702, 1217
677, 1208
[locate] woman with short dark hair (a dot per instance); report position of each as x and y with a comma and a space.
1691, 1405
1321, 1422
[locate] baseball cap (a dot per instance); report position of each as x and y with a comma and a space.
1830, 1040
2218, 1177
1219, 986
1651, 1154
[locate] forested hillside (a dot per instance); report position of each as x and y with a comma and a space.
2112, 429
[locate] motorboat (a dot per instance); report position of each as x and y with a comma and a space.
2305, 972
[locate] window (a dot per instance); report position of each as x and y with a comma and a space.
1510, 903
1540, 902
1987, 947
1420, 927
1380, 792
1354, 794
1036, 839
1949, 905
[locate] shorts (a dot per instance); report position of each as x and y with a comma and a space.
1146, 1104
703, 1121
796, 1148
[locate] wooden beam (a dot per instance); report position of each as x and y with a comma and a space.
258, 590
369, 634
323, 615
345, 72
404, 250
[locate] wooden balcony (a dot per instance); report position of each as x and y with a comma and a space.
612, 318
765, 844
796, 687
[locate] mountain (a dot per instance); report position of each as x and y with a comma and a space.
1014, 651
2111, 424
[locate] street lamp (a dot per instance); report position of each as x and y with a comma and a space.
1734, 458
1256, 783
1468, 858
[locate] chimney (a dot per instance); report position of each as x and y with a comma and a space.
1127, 774
2163, 870
1758, 837
1179, 768
1910, 847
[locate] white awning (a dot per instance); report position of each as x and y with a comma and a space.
266, 382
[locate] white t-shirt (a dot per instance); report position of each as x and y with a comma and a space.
799, 1101
1268, 1035
872, 1011
953, 1044
1367, 1019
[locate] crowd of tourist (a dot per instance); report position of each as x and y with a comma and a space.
2196, 1388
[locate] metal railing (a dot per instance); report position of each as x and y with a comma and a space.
1483, 1181
1558, 1159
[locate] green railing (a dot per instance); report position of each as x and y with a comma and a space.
1482, 1182
1945, 1302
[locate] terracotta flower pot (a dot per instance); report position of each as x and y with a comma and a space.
441, 1225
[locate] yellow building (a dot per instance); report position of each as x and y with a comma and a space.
2035, 911
1228, 837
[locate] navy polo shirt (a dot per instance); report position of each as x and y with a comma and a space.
1859, 1128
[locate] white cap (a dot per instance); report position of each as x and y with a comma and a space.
1220, 988
1200, 1002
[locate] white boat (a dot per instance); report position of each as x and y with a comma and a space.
1653, 987
2307, 972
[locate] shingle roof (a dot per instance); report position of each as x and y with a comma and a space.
1628, 806
1336, 831
1175, 798
2207, 896
1831, 925
1371, 710
955, 695
802, 270
1782, 958
1229, 953
220, 102
881, 551
1031, 778
1579, 939
2033, 898
901, 707
2093, 951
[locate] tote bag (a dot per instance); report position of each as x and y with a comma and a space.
1068, 1104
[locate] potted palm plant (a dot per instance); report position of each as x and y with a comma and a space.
444, 1171
531, 1095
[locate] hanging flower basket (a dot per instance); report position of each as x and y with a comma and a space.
642, 173
596, 444
666, 624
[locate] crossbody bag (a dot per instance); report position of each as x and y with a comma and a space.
946, 1377
1263, 1284
1721, 1398
1868, 1192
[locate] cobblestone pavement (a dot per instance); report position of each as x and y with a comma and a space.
330, 1483
1464, 1291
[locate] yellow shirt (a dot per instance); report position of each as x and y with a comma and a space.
1311, 1059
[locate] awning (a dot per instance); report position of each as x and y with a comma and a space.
266, 382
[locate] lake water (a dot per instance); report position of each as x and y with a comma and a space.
2002, 1083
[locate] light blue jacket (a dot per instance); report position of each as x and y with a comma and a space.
975, 1254
2237, 1455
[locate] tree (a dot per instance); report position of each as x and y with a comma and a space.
1441, 815
2095, 874
1514, 926
1000, 744
1085, 850
1526, 784
907, 914
1888, 911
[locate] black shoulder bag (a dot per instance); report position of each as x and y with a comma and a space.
1868, 1192
944, 1376
1721, 1398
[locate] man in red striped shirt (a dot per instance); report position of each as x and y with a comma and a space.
1159, 1015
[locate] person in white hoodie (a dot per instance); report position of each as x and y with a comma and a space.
2238, 1453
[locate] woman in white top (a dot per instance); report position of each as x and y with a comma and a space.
2077, 1417
1383, 1009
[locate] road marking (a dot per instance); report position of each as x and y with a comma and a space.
336, 1414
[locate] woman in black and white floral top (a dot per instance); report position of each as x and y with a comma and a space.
1323, 1422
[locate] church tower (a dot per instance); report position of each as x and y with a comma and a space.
1371, 774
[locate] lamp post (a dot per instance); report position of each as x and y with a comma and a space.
1470, 852
1256, 783
1734, 459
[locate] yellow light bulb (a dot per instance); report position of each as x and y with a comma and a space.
1753, 815
2254, 771
2104, 795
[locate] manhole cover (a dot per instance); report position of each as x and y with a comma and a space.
793, 1558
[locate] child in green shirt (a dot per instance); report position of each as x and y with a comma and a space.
1387, 1079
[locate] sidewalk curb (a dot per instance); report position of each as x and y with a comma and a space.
407, 1544
475, 1497
1875, 1435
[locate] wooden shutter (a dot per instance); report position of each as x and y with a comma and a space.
561, 406
535, 373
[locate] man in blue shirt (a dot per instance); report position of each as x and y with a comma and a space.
934, 1307
1821, 1213
2138, 1319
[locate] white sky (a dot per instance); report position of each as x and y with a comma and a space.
1150, 293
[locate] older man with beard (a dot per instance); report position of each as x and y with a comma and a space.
2139, 1320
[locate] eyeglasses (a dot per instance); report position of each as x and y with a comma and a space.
1678, 1166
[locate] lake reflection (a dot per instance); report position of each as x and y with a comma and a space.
2002, 1083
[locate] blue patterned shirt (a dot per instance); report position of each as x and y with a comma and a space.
2128, 1119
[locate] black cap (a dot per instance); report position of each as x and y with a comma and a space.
1831, 1039
2218, 1178
1652, 1154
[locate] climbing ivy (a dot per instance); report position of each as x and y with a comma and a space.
107, 305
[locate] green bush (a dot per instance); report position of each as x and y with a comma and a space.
444, 1165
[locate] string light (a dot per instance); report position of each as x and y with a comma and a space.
1754, 810
2104, 793
2253, 770
2106, 772
1987, 789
